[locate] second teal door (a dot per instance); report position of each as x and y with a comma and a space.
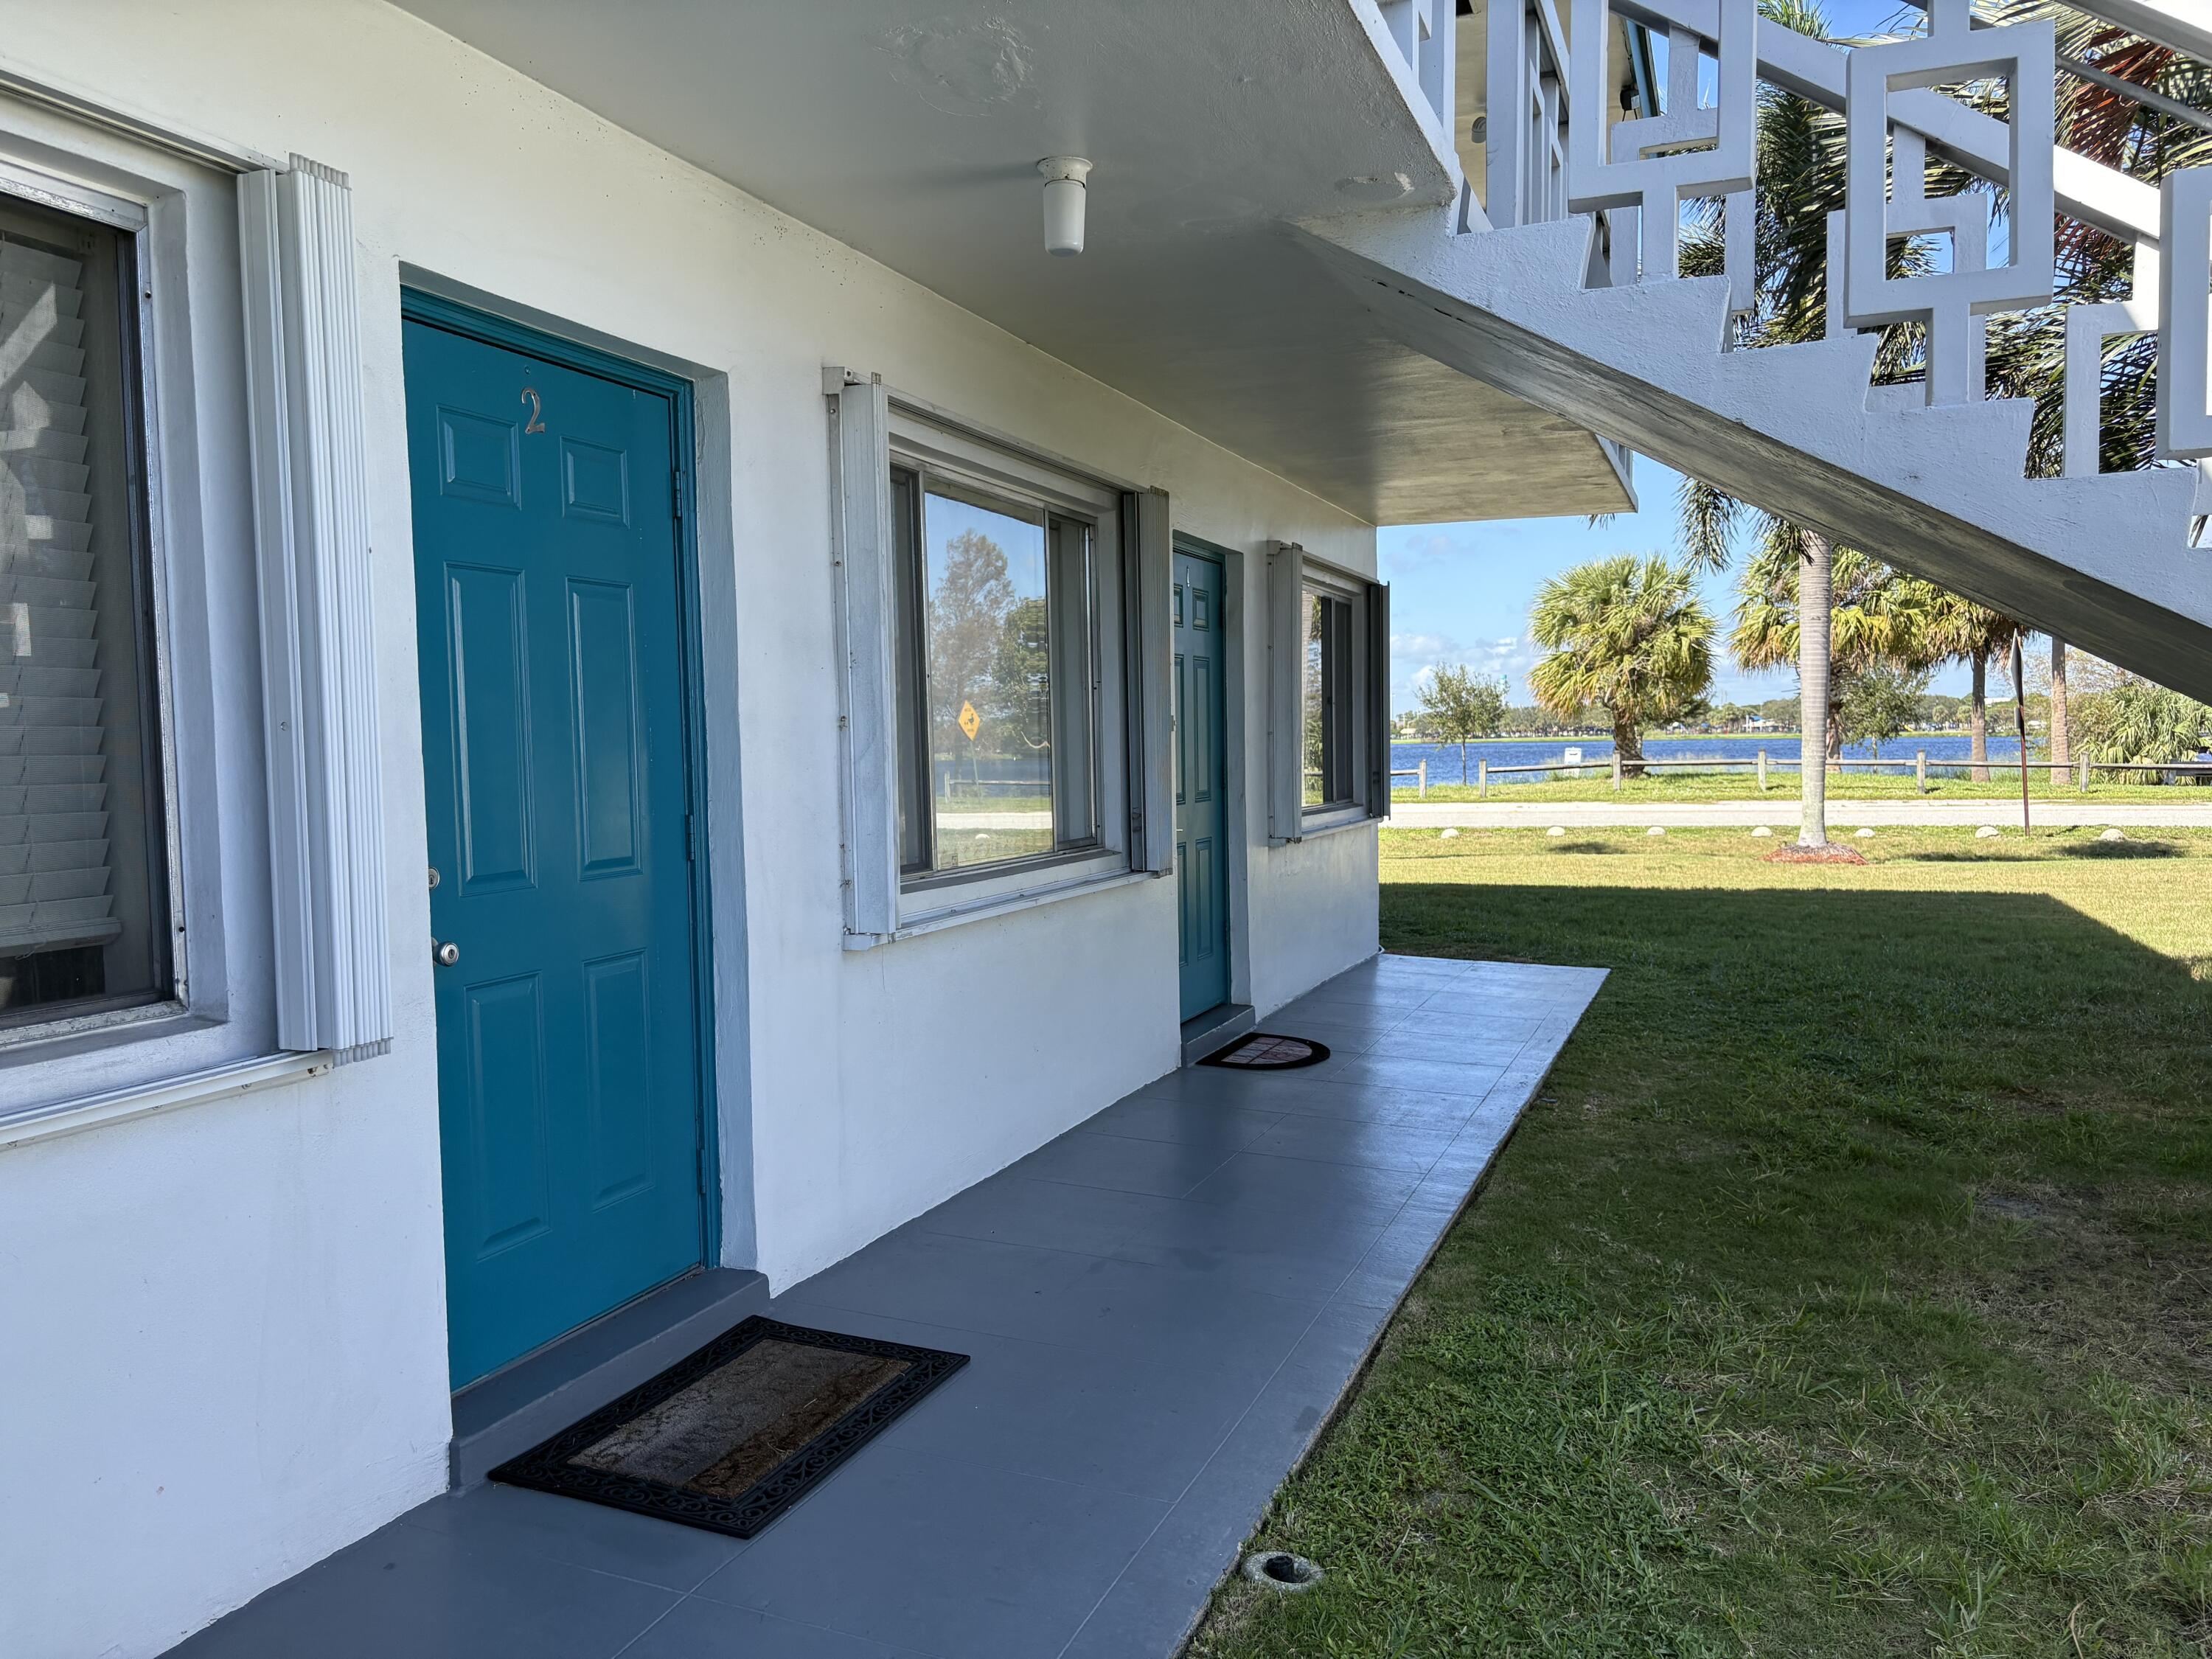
548, 615
1201, 782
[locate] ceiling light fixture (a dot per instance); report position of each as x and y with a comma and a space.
1066, 188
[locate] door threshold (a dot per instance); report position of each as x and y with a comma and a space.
503, 1415
1215, 1029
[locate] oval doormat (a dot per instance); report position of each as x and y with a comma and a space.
1268, 1051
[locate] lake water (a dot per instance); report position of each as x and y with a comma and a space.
1443, 758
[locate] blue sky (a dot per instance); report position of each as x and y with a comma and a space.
1460, 592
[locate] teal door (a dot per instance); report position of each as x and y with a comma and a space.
547, 605
1201, 783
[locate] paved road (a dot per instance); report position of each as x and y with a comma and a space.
1782, 813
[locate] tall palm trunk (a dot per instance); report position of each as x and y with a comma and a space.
1815, 598
2061, 741
1628, 744
1978, 721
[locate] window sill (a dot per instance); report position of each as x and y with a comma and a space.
1000, 904
1351, 817
218, 1082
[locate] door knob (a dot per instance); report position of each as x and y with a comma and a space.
445, 955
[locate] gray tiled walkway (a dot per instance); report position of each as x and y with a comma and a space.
1163, 1306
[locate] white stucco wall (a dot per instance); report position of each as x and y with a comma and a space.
221, 1330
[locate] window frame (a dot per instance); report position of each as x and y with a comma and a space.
924, 447
254, 490
1292, 575
132, 219
1352, 692
1133, 702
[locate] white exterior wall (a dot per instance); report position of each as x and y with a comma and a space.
224, 1329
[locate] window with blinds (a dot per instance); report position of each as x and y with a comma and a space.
83, 905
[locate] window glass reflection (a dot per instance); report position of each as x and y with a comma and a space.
990, 679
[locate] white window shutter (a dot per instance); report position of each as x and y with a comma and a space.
866, 589
312, 532
1286, 564
1377, 693
1149, 574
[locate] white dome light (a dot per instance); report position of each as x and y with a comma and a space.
1064, 191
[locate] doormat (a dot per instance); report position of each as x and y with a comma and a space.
735, 1433
1265, 1052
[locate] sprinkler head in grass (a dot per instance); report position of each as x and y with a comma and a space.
1656, 829
1449, 835
1557, 830
1280, 1570
1762, 832
1864, 835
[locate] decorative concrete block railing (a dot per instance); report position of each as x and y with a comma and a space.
1556, 148
1422, 33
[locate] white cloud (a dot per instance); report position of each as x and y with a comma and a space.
1415, 657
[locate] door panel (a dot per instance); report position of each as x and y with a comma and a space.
603, 668
491, 725
504, 1028
548, 599
1202, 784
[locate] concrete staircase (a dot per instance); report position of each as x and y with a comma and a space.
2105, 563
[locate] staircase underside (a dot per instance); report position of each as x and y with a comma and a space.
2103, 562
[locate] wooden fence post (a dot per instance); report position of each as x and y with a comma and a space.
2085, 774
1616, 771
1762, 771
1482, 779
1920, 770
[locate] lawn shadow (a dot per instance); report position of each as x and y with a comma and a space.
2016, 854
2122, 849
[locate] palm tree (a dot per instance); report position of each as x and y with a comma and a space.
1801, 151
1628, 634
1839, 615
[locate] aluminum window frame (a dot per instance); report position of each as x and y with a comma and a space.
227, 295
1130, 561
132, 217
916, 769
1359, 688
923, 446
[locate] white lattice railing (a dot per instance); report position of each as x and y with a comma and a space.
1423, 32
1556, 147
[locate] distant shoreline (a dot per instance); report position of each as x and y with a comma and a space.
1660, 737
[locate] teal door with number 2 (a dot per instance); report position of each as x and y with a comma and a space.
1201, 783
549, 608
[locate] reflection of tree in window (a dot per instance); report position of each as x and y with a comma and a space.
1313, 700
1325, 701
990, 666
968, 601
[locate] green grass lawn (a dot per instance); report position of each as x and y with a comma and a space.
1848, 1289
1782, 789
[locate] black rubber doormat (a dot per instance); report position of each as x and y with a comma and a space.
1265, 1051
732, 1435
